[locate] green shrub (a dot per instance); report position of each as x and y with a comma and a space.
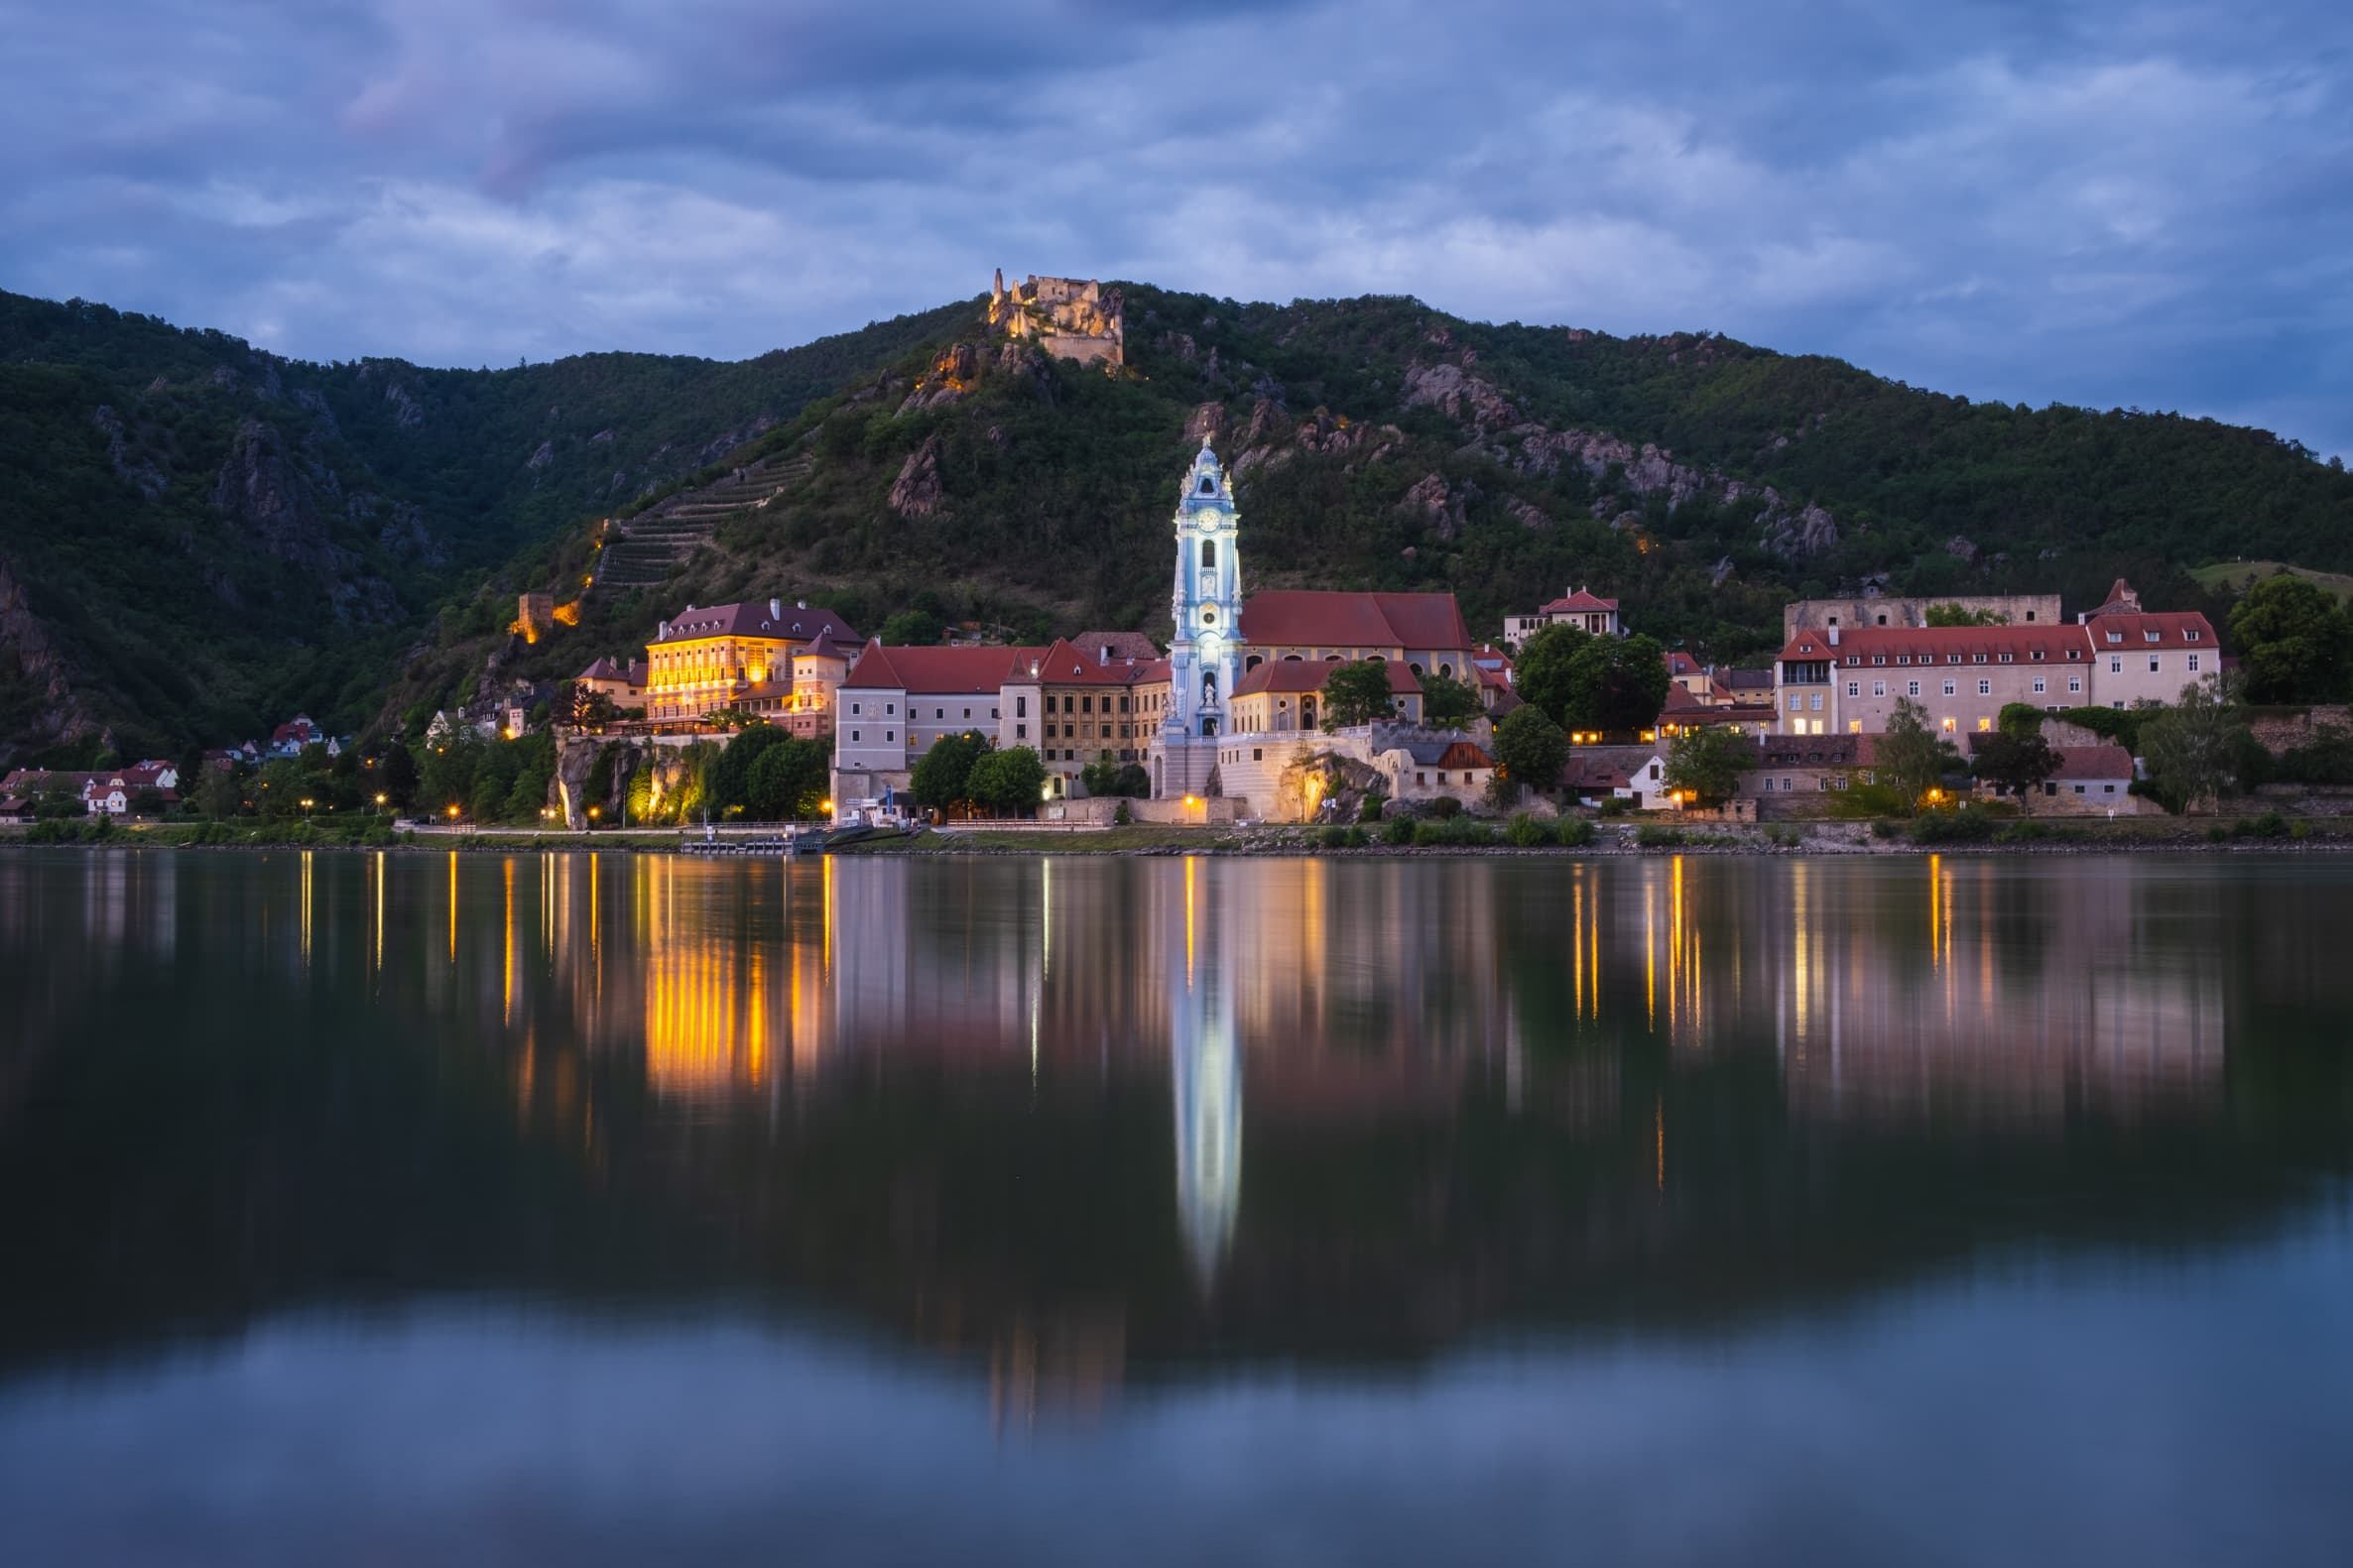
1358, 838
1616, 806
1121, 815
1467, 832
1886, 827
1370, 811
1652, 835
2299, 830
1445, 806
2021, 833
1398, 832
1954, 827
1575, 832
1334, 836
1527, 832
2217, 834
2269, 825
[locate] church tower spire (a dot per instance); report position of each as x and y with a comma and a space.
1207, 606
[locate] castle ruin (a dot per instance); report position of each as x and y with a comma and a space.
1070, 319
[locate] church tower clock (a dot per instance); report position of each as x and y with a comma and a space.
1205, 655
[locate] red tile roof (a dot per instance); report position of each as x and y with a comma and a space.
938, 671
1679, 663
1581, 600
1299, 674
2093, 762
1123, 645
1066, 664
1939, 644
1305, 618
2124, 629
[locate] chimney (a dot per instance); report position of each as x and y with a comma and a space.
775, 609
1103, 655
1033, 669
802, 603
665, 630
1833, 633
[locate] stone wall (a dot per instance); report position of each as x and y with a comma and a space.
2018, 609
2284, 729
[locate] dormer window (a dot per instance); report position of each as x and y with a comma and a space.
2115, 637
2151, 637
1953, 658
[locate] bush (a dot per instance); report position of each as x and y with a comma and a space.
1785, 837
1370, 810
2299, 830
2021, 833
1445, 806
1454, 833
1527, 832
1575, 832
1358, 838
2269, 825
1954, 827
1616, 806
1652, 835
1887, 827
1121, 815
1398, 832
1334, 836
2218, 834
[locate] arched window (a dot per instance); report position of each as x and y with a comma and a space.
1416, 669
1208, 485
1252, 662
1208, 554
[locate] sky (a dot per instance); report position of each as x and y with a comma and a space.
2138, 205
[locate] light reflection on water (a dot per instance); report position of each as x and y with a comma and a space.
934, 1151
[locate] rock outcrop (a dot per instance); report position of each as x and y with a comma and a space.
30, 661
916, 492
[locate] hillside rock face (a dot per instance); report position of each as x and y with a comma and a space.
273, 499
916, 492
1499, 431
29, 660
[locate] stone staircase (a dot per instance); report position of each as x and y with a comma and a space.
647, 548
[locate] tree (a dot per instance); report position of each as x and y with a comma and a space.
1616, 683
787, 782
1909, 758
217, 794
1949, 614
1009, 781
2188, 747
2017, 762
942, 775
727, 782
2296, 642
591, 706
1540, 672
1357, 693
1529, 750
912, 628
1706, 763
1448, 703
1107, 775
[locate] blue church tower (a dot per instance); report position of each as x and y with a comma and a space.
1205, 657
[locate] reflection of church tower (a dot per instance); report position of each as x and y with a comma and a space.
1207, 608
1205, 1069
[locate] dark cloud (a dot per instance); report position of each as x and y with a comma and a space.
2116, 205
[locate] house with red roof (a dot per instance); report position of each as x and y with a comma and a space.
1578, 607
2141, 655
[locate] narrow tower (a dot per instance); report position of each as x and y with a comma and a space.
1207, 609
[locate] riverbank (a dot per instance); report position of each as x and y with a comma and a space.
1943, 834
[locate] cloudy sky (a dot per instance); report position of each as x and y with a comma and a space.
2122, 204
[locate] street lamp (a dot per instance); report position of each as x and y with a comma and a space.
379, 803
305, 808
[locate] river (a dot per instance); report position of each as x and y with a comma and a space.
595, 1209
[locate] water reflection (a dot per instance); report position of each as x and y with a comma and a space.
1079, 1117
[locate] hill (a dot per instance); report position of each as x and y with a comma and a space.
927, 462
199, 538
2237, 575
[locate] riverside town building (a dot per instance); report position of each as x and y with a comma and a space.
1833, 679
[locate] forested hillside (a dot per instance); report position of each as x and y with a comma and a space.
197, 538
206, 535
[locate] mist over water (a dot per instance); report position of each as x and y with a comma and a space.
610, 1209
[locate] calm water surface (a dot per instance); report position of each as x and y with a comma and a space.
583, 1209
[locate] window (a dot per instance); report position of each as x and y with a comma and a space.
1817, 703
1021, 732
1021, 706
1208, 545
1821, 783
2154, 661
1854, 688
1422, 778
2036, 656
1653, 769
1984, 724
1879, 688
1950, 686
1976, 659
855, 737
889, 707
1912, 688
1787, 787
854, 707
1854, 726
2193, 664
992, 713
1985, 688
2189, 634
1948, 724
2107, 788
2150, 636
2115, 637
1879, 658
968, 713
1258, 754
2040, 683
2074, 682
890, 735
2079, 788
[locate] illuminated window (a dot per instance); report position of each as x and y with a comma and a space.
1984, 724
1948, 724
